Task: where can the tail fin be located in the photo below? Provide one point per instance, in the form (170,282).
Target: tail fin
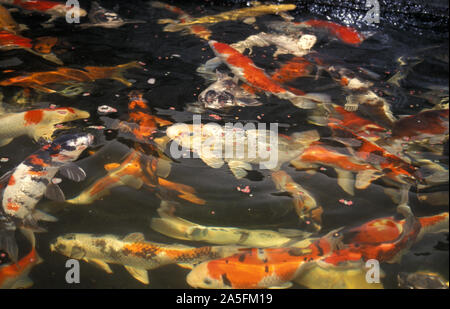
(171,226)
(118,74)
(8,240)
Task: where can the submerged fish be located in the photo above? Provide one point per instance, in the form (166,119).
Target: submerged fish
(24,186)
(239,14)
(133,252)
(244,68)
(240,148)
(421,280)
(179,228)
(39,124)
(38,80)
(136,170)
(304,204)
(262,268)
(55,9)
(10,41)
(15,275)
(8,23)
(197,30)
(101,17)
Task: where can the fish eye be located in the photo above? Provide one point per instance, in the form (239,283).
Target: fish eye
(337,234)
(207,281)
(210,96)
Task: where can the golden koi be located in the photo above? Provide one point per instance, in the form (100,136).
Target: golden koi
(133,252)
(38,80)
(37,124)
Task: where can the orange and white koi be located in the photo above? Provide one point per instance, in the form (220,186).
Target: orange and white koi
(25,186)
(15,275)
(38,80)
(262,268)
(248,72)
(133,252)
(198,30)
(345,34)
(38,123)
(10,41)
(135,171)
(304,204)
(55,9)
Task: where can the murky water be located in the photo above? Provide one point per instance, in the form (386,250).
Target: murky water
(172,59)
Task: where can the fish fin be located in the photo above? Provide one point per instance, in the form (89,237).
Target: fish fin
(365,178)
(171,226)
(29,235)
(213,162)
(42,216)
(303,102)
(5,178)
(77,253)
(132,181)
(346,180)
(286,285)
(23,283)
(73,172)
(43,132)
(8,244)
(101,264)
(163,168)
(293,233)
(5,141)
(306,137)
(186,265)
(55,193)
(318,97)
(134,237)
(163,21)
(239,168)
(300,165)
(138,274)
(118,74)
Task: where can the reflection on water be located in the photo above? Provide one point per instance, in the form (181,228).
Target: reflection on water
(129,170)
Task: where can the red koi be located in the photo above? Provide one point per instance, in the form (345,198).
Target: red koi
(346,34)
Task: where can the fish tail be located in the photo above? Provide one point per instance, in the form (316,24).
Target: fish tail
(118,74)
(8,239)
(171,226)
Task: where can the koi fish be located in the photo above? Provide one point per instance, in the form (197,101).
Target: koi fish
(249,73)
(294,68)
(211,142)
(39,124)
(226,92)
(304,204)
(239,14)
(197,30)
(262,268)
(8,23)
(386,239)
(421,280)
(38,80)
(345,165)
(15,275)
(10,41)
(392,166)
(44,44)
(284,44)
(133,252)
(182,229)
(430,125)
(24,186)
(101,17)
(55,9)
(345,34)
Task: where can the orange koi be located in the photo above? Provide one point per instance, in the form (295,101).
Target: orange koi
(345,34)
(262,268)
(38,80)
(15,276)
(248,72)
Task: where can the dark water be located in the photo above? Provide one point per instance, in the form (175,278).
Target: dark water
(127,210)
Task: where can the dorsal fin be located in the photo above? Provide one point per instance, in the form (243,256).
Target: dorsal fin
(134,237)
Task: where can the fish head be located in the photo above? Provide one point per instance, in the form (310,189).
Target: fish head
(200,277)
(306,42)
(70,245)
(220,94)
(69,147)
(100,15)
(64,114)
